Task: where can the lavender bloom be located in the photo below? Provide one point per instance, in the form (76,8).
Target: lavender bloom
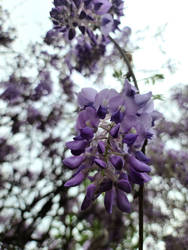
(87,118)
(111,149)
(79,16)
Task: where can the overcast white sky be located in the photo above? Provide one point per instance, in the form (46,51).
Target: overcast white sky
(31,18)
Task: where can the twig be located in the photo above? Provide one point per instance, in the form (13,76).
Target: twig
(123,54)
(141,215)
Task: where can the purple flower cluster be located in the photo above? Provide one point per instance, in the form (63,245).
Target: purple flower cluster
(85,17)
(111,130)
(88,54)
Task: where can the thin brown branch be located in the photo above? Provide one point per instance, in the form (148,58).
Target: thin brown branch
(125,58)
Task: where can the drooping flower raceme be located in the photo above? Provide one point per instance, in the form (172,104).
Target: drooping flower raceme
(85,16)
(111,129)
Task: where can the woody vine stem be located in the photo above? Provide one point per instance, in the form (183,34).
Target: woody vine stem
(141,189)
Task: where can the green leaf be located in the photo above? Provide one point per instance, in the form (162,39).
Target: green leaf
(118,74)
(158,97)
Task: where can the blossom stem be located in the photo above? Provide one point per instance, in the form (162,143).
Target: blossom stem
(123,54)
(141,223)
(141,207)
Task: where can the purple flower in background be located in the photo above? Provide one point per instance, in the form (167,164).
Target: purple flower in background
(11,94)
(5,149)
(87,54)
(44,87)
(80,17)
(111,129)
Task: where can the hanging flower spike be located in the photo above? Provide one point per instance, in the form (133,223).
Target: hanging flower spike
(75,17)
(109,139)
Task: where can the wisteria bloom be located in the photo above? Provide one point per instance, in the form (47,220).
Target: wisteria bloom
(111,129)
(85,17)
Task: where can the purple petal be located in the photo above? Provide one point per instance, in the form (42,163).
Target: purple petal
(123,176)
(82,29)
(87,133)
(115,130)
(142,157)
(103,97)
(101,7)
(101,112)
(148,135)
(101,147)
(100,163)
(122,201)
(108,200)
(124,185)
(87,117)
(138,177)
(129,139)
(139,165)
(117,161)
(77,145)
(106,28)
(71,34)
(73,161)
(76,180)
(141,100)
(129,89)
(115,102)
(89,196)
(82,15)
(117,116)
(77,3)
(86,97)
(105,185)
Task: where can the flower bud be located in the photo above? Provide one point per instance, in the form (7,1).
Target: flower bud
(89,196)
(73,161)
(76,180)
